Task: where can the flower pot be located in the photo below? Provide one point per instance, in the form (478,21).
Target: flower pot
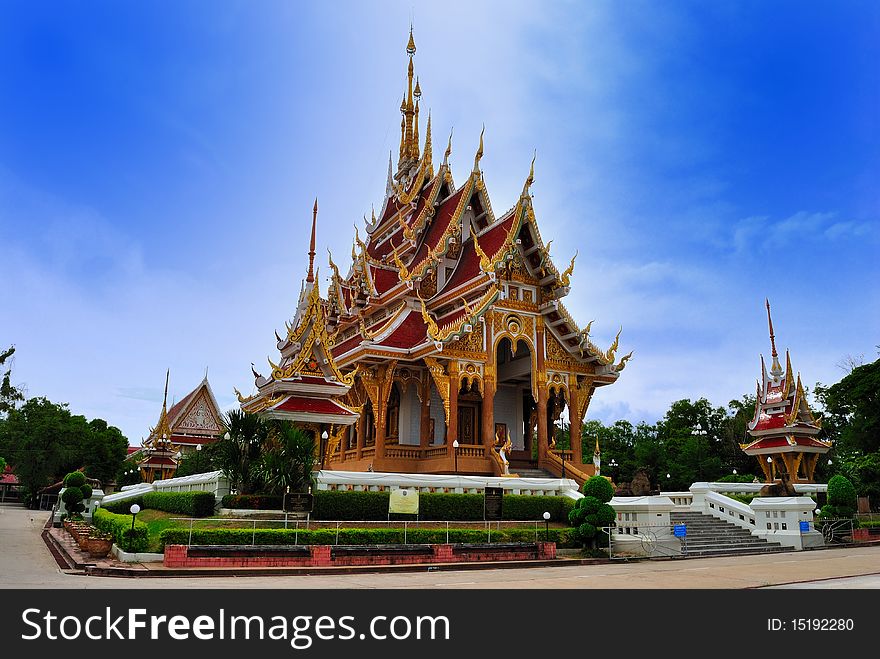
(99,547)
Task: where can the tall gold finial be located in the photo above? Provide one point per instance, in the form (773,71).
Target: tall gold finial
(479,153)
(566,276)
(417,92)
(311,276)
(429,148)
(448,150)
(411,45)
(165,397)
(414,145)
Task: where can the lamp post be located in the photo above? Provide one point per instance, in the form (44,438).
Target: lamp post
(324,437)
(546,525)
(455,454)
(135,509)
(770,462)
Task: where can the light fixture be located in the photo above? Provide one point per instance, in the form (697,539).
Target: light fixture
(226,436)
(198,447)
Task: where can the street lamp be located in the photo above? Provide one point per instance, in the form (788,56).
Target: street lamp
(455,454)
(546,525)
(198,447)
(226,436)
(135,509)
(324,437)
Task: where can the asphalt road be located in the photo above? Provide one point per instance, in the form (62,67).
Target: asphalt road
(27,563)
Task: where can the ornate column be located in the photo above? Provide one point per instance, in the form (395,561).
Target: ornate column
(452,419)
(425,438)
(489,387)
(360,439)
(378,385)
(541,380)
(575,422)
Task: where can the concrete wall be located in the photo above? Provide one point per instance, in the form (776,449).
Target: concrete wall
(409,417)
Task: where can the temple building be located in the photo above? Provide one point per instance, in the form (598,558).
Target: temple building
(191,423)
(784,432)
(445,346)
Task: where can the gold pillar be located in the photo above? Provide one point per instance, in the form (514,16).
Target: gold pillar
(425,438)
(488,409)
(541,379)
(452,421)
(361,438)
(575,422)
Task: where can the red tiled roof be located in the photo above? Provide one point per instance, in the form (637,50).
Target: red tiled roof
(777,442)
(132,449)
(410,333)
(468,266)
(384,279)
(8,478)
(316,405)
(177,408)
(441,221)
(493,239)
(775,421)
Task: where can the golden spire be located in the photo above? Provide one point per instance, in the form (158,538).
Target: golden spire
(311,276)
(411,45)
(403,273)
(414,145)
(479,153)
(429,148)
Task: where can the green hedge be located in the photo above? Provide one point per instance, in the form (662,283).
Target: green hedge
(119,526)
(337,505)
(123,507)
(174,536)
(191,504)
(253,501)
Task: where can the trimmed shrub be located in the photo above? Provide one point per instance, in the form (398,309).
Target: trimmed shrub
(191,504)
(842,498)
(119,526)
(352,505)
(123,507)
(253,501)
(593,512)
(75,479)
(177,536)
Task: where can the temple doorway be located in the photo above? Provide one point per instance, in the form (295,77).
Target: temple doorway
(514,406)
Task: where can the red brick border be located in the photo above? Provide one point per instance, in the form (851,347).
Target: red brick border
(177,556)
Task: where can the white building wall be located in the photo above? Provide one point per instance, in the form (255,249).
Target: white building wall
(438,416)
(508,409)
(410,415)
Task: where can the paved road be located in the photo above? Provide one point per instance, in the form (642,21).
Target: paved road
(28,564)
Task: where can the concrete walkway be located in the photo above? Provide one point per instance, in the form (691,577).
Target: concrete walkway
(28,564)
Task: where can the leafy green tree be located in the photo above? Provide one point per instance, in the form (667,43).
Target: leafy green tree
(197,462)
(76,490)
(288,459)
(239,455)
(128,473)
(852,409)
(43,441)
(10,395)
(2,465)
(841,498)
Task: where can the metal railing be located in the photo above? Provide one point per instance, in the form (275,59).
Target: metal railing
(835,531)
(634,540)
(193,524)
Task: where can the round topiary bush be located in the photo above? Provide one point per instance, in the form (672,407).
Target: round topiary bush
(592,512)
(73,500)
(75,479)
(842,498)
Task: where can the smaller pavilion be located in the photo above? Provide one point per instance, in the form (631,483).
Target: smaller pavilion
(784,431)
(306,386)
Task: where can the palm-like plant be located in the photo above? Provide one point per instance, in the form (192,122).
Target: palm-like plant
(239,456)
(288,458)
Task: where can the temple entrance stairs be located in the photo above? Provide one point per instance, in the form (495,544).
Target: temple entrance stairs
(528,470)
(710,536)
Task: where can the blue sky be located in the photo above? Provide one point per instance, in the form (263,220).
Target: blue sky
(158,163)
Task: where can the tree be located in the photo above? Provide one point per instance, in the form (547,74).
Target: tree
(128,473)
(197,462)
(841,498)
(238,456)
(2,465)
(76,490)
(43,441)
(288,459)
(852,409)
(10,395)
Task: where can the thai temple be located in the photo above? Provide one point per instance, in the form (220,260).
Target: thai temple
(191,423)
(445,346)
(784,432)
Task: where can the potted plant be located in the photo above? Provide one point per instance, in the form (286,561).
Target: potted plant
(99,544)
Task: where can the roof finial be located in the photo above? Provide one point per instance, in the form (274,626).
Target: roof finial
(165,397)
(389,184)
(775,366)
(429,148)
(479,153)
(448,150)
(411,45)
(311,276)
(531,178)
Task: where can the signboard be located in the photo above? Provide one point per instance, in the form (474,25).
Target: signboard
(680,530)
(805,527)
(298,502)
(493,500)
(404,501)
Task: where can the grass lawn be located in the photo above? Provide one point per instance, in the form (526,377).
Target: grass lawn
(156,521)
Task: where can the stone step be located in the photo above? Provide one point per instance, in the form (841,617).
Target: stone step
(710,536)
